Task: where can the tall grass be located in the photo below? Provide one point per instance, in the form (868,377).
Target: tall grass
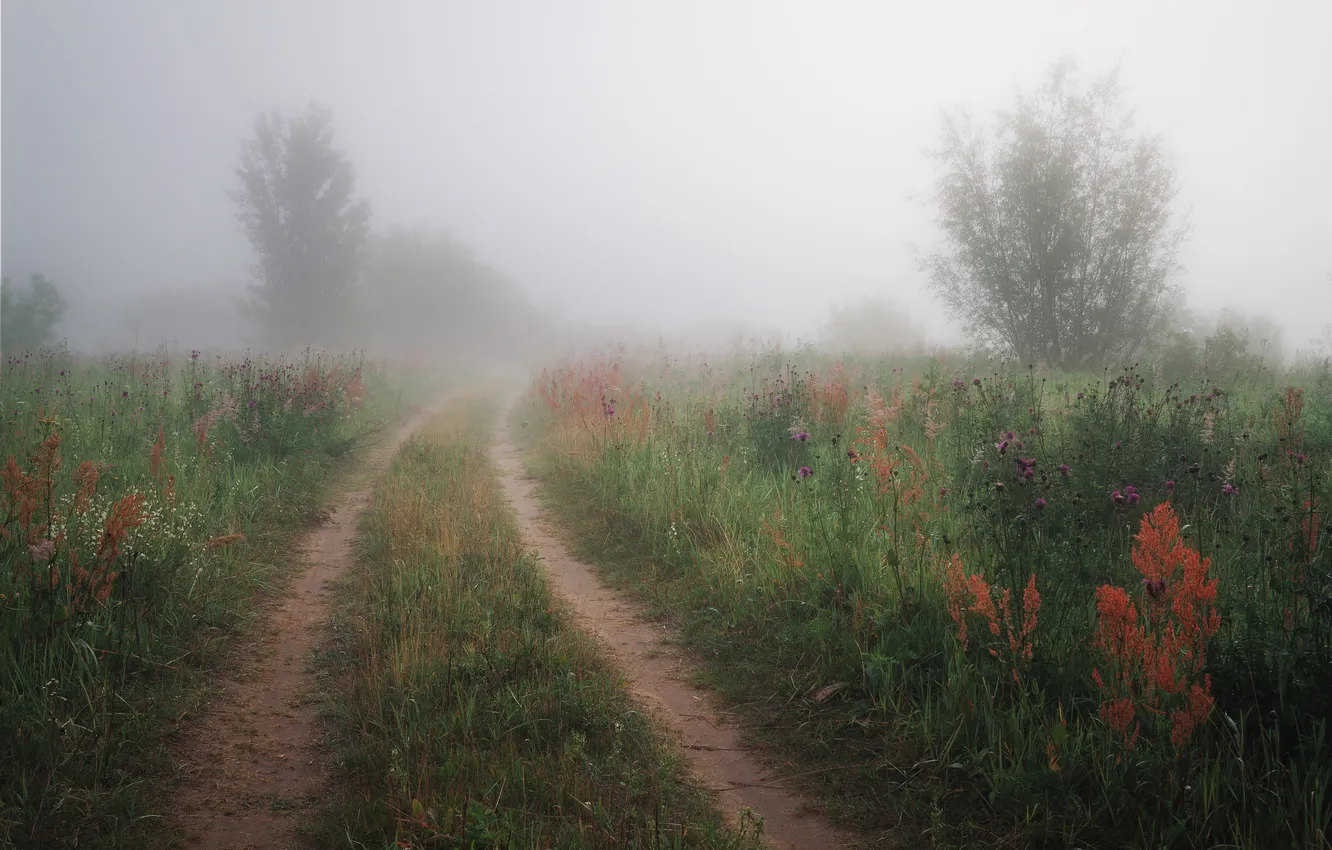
(470,713)
(144,506)
(993,607)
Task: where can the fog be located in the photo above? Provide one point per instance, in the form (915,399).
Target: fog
(662,165)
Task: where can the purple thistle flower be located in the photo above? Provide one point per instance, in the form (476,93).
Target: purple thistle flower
(1170,486)
(1040,504)
(1080,394)
(800,437)
(1229,489)
(1156,588)
(1117,497)
(959,384)
(610,411)
(1064,470)
(943,491)
(805,472)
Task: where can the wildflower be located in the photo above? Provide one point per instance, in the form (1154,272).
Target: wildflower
(800,437)
(1170,486)
(1156,587)
(1131,494)
(1040,504)
(943,491)
(252,403)
(805,472)
(1008,436)
(1117,497)
(976,381)
(1064,470)
(610,411)
(1080,394)
(41,551)
(999,486)
(1229,489)
(959,384)
(852,455)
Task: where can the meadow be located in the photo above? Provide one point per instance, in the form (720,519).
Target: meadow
(982,605)
(147,505)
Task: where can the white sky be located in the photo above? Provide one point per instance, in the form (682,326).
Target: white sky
(667,162)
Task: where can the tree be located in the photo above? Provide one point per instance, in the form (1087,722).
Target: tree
(297,208)
(1060,244)
(427,290)
(872,325)
(28,318)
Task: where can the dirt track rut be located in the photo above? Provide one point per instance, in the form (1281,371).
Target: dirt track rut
(659,675)
(253,767)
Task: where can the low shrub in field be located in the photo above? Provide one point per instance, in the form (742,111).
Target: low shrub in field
(1104,605)
(471,713)
(135,498)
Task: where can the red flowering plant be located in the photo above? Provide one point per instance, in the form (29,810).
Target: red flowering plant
(62,581)
(1152,643)
(1011,635)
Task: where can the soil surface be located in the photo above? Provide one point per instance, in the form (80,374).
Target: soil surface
(659,675)
(254,765)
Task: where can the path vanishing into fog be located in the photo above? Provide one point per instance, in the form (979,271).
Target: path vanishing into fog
(659,676)
(254,766)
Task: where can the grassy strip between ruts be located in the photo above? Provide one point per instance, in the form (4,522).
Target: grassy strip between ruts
(468,710)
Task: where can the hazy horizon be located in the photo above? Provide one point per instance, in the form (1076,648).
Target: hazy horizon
(665,166)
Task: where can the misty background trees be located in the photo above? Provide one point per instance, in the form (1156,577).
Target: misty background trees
(29,315)
(1060,243)
(325,278)
(298,208)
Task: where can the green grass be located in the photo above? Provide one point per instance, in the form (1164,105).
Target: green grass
(467,709)
(683,480)
(114,608)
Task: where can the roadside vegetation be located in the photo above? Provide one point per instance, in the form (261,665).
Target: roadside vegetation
(984,606)
(146,505)
(468,710)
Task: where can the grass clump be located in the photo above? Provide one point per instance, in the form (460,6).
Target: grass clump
(469,711)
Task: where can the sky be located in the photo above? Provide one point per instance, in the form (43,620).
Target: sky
(659,163)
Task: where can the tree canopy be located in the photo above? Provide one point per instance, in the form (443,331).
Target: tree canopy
(28,317)
(298,209)
(1060,243)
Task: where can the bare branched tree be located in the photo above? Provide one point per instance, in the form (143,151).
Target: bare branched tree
(1060,243)
(297,207)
